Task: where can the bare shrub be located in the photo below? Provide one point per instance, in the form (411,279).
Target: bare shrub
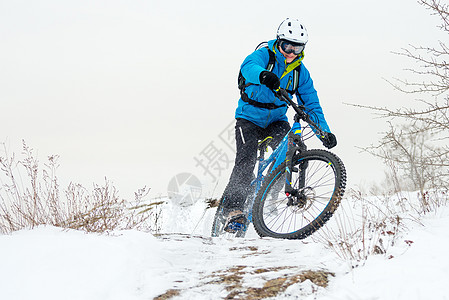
(415,146)
(366,225)
(370,224)
(35,200)
(413,164)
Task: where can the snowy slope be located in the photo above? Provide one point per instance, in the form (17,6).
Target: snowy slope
(418,271)
(50,263)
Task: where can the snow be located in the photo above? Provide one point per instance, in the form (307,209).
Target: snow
(52,263)
(418,271)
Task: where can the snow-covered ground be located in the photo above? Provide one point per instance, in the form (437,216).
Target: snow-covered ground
(51,263)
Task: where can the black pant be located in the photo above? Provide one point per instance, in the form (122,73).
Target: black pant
(247,136)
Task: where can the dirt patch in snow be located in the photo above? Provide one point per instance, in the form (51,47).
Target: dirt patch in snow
(271,287)
(274,281)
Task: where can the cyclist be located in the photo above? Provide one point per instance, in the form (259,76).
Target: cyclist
(260,114)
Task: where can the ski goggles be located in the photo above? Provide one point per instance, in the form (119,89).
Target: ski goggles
(290,47)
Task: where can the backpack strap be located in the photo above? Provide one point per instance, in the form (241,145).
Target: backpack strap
(271,58)
(241,80)
(295,81)
(294,68)
(247,99)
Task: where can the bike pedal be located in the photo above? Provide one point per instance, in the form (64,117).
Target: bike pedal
(235,224)
(234,227)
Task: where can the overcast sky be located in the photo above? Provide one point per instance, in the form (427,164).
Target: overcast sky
(135,91)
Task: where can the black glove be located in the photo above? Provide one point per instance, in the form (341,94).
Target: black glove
(329,140)
(269,79)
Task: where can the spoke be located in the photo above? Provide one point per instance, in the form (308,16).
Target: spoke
(320,182)
(279,203)
(327,173)
(276,218)
(282,223)
(324,201)
(291,220)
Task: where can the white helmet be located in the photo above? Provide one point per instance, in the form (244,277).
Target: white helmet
(292,30)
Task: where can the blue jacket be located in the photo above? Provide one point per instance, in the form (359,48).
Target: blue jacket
(251,68)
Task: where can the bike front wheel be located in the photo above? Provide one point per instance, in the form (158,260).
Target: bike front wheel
(318,180)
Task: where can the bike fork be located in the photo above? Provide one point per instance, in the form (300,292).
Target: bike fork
(294,145)
(291,149)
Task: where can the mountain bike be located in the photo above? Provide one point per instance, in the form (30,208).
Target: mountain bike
(295,190)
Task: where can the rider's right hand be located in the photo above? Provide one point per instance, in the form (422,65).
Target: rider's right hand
(269,79)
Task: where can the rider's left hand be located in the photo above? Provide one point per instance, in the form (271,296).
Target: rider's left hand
(329,140)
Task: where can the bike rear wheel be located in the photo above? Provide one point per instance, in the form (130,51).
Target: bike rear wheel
(318,179)
(219,221)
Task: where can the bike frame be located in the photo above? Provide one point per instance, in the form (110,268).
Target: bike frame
(290,145)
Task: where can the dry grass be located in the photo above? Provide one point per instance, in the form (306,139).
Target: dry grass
(370,225)
(168,294)
(35,199)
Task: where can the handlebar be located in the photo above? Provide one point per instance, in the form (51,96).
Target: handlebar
(283,95)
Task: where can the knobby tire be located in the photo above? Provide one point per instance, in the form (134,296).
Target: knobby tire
(319,177)
(219,221)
